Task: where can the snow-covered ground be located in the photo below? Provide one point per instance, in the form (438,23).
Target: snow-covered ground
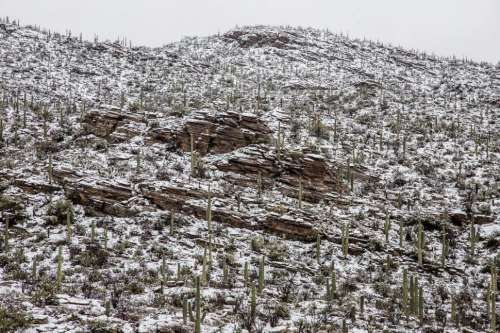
(417,134)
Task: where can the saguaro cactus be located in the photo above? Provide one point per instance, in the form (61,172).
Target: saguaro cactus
(172,218)
(421,305)
(245,274)
(34,269)
(411,309)
(445,245)
(185,309)
(318,248)
(301,190)
(279,143)
(415,295)
(454,317)
(50,169)
(253,302)
(106,238)
(194,156)
(209,209)
(401,234)
(92,232)
(261,275)
(225,273)
(197,324)
(420,244)
(204,269)
(1,130)
(473,237)
(344,326)
(387,227)
(405,291)
(59,272)
(493,297)
(345,239)
(68,227)
(163,269)
(333,284)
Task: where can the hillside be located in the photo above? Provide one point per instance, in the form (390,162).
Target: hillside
(306,181)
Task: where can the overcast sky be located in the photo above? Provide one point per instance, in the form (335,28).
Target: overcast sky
(465,28)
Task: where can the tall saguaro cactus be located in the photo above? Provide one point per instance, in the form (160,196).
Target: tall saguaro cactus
(68,227)
(420,244)
(445,245)
(333,286)
(405,291)
(345,239)
(387,227)
(209,209)
(421,305)
(59,272)
(493,297)
(50,169)
(259,186)
(261,275)
(253,302)
(194,156)
(318,248)
(197,324)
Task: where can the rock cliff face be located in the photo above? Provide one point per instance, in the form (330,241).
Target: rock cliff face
(113,125)
(211,132)
(359,180)
(288,170)
(221,133)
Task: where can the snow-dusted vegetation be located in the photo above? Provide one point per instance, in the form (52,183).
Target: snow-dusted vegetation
(268,179)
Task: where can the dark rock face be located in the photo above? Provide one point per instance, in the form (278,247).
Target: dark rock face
(97,196)
(222,133)
(318,176)
(112,124)
(187,201)
(248,39)
(212,132)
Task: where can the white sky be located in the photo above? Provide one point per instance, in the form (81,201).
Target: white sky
(465,28)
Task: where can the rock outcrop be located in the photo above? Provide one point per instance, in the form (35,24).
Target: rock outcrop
(212,132)
(222,132)
(248,39)
(318,176)
(113,124)
(97,196)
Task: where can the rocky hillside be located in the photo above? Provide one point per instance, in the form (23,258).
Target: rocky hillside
(269,179)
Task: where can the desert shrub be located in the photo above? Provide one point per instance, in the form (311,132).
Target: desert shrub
(257,243)
(135,287)
(12,208)
(45,293)
(58,212)
(277,251)
(93,256)
(13,320)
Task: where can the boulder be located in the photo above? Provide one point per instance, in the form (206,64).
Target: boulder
(112,124)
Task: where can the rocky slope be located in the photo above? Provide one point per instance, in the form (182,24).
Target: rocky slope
(314,183)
